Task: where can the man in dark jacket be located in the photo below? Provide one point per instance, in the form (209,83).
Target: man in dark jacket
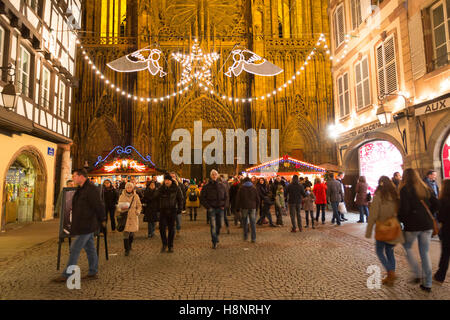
(214,197)
(110,197)
(183,194)
(334,197)
(430,180)
(233,197)
(88,214)
(227,203)
(247,200)
(295,193)
(170,205)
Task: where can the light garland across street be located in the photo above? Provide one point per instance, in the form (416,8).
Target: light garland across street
(203,75)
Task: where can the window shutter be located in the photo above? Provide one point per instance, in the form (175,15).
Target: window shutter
(359,87)
(366,81)
(417,46)
(341,96)
(347,95)
(391,66)
(380,67)
(339,25)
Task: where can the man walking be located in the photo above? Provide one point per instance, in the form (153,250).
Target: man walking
(214,197)
(295,193)
(88,213)
(247,200)
(183,194)
(334,196)
(170,204)
(430,180)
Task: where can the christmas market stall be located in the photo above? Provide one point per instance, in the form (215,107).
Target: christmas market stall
(124,163)
(287,167)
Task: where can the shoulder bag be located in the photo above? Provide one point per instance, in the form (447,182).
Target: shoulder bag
(387,230)
(435,224)
(122,218)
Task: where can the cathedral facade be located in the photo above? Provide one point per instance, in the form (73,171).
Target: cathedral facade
(282,31)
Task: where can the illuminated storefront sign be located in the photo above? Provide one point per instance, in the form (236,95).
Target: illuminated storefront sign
(433,106)
(379,158)
(124,165)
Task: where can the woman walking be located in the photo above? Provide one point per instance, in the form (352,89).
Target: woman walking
(320,191)
(129,202)
(384,207)
(151,209)
(416,199)
(193,199)
(444,218)
(361,199)
(308,206)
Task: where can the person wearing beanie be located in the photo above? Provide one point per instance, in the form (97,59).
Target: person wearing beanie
(193,199)
(170,201)
(129,202)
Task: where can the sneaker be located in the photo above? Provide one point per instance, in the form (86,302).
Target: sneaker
(214,245)
(415,280)
(425,288)
(437,279)
(170,250)
(90,277)
(163,249)
(253,241)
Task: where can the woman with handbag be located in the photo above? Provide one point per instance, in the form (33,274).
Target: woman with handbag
(388,232)
(361,199)
(416,204)
(129,208)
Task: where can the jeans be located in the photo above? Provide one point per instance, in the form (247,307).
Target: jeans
(249,214)
(151,228)
(265,212)
(443,261)
(385,253)
(336,215)
(167,221)
(225,218)
(86,242)
(320,207)
(424,238)
(110,212)
(294,211)
(215,218)
(195,213)
(178,221)
(237,215)
(307,215)
(363,211)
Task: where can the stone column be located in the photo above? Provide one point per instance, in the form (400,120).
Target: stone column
(66,165)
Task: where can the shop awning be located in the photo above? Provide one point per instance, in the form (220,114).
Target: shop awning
(285,166)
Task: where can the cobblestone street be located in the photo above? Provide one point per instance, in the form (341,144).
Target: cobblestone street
(326,263)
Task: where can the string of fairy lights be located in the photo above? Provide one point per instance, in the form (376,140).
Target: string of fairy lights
(203,75)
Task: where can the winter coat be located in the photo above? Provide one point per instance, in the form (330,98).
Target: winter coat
(279,199)
(320,191)
(334,191)
(170,199)
(189,203)
(88,210)
(264,194)
(227,190)
(412,213)
(214,195)
(295,193)
(132,224)
(382,210)
(233,194)
(308,201)
(151,204)
(444,217)
(110,197)
(247,197)
(361,194)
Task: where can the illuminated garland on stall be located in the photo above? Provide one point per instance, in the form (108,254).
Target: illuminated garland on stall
(286,159)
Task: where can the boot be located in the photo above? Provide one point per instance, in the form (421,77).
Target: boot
(126,245)
(190,215)
(195,217)
(131,240)
(390,278)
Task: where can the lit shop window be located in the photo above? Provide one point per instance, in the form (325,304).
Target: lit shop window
(446,158)
(379,158)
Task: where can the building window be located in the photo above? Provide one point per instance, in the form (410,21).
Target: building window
(343,95)
(440,17)
(61,99)
(362,84)
(356,13)
(33,4)
(114,18)
(339,25)
(2,45)
(24,71)
(45,88)
(387,67)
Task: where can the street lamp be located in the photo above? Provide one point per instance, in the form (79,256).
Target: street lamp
(384,115)
(9,94)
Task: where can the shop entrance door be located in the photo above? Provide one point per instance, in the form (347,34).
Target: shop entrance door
(20,189)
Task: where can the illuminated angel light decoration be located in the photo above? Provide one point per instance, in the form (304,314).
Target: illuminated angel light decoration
(252,63)
(138,61)
(196,65)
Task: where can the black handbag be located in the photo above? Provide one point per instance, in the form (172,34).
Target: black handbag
(122,218)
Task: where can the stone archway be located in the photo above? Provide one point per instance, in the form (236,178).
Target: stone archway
(300,135)
(40,188)
(213,115)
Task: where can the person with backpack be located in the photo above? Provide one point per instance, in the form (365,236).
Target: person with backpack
(384,210)
(362,200)
(193,199)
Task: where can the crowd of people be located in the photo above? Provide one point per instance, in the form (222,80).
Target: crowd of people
(414,202)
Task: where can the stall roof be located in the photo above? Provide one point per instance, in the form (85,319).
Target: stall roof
(294,166)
